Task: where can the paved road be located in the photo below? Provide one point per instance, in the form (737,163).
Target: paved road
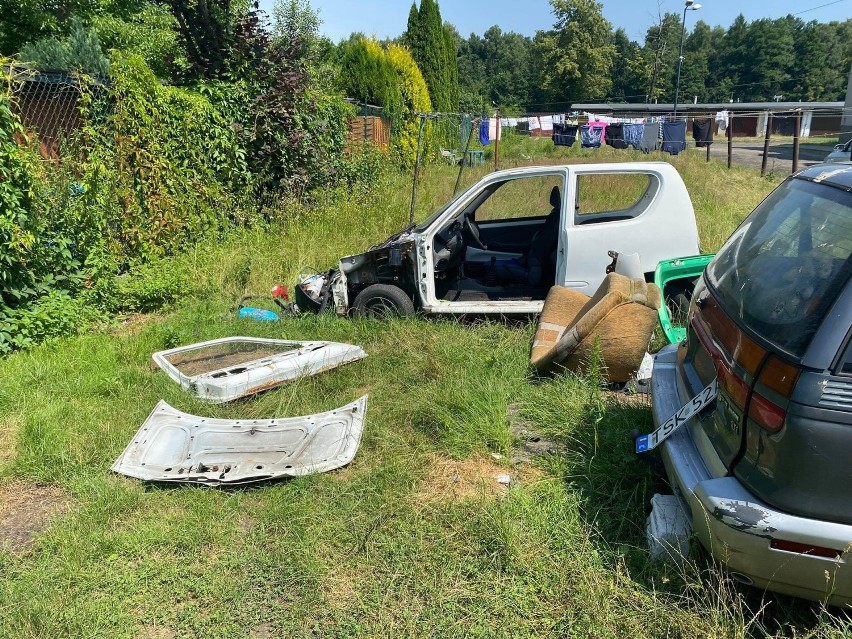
(780,155)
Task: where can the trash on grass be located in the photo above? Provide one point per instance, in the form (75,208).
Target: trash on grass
(172,446)
(646,368)
(222,370)
(280,297)
(667,529)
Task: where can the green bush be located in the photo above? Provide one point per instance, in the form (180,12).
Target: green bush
(80,51)
(157,169)
(54,314)
(162,170)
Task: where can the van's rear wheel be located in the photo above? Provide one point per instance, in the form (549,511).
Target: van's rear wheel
(382,301)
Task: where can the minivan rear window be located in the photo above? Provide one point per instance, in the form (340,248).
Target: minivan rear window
(782,269)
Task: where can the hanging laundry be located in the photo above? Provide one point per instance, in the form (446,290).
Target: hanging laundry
(591,135)
(674,137)
(513,122)
(702,132)
(504,122)
(599,124)
(722,120)
(484,139)
(534,123)
(546,123)
(633,135)
(650,137)
(615,136)
(493,129)
(564,134)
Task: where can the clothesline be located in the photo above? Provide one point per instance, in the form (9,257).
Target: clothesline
(669,136)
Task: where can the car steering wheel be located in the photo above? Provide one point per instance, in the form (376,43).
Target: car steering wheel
(471,230)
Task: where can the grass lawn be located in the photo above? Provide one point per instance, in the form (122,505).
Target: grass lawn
(415,538)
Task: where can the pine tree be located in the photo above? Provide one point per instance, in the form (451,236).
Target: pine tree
(433,47)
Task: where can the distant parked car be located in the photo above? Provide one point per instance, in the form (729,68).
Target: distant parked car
(765,470)
(840,153)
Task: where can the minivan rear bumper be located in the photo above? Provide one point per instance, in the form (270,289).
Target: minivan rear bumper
(734,525)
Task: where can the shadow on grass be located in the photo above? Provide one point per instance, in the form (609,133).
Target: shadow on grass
(616,487)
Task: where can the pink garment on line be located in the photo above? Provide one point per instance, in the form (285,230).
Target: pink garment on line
(602,125)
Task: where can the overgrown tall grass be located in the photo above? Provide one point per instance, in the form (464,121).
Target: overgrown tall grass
(381,548)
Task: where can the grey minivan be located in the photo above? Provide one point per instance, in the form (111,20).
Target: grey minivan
(765,470)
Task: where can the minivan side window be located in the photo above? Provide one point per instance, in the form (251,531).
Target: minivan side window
(610,197)
(524,197)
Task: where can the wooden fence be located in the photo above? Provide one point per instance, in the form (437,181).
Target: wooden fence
(367,129)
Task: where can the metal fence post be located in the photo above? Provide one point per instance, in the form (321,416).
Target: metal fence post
(796,135)
(730,138)
(766,144)
(416,169)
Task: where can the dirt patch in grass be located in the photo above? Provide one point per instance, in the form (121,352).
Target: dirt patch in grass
(26,511)
(340,586)
(263,631)
(133,324)
(150,631)
(479,476)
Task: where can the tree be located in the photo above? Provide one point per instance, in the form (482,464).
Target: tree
(152,33)
(367,75)
(207,28)
(627,81)
(296,21)
(26,21)
(79,51)
(697,52)
(576,55)
(433,47)
(770,59)
(659,67)
(414,99)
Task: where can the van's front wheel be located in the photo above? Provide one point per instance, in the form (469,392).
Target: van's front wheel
(382,301)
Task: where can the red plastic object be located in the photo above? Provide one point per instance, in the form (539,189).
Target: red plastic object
(280,292)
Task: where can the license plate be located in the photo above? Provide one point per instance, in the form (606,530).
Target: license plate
(693,406)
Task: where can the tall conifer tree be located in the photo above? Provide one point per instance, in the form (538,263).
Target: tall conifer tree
(433,48)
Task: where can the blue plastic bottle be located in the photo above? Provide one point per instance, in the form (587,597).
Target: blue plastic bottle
(259,314)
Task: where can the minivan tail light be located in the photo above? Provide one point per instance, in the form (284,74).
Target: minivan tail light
(779,377)
(735,387)
(765,414)
(804,549)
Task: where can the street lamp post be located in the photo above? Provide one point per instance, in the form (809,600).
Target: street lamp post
(690,5)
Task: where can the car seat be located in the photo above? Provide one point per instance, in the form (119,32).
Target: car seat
(621,313)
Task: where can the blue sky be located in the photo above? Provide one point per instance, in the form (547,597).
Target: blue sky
(387,18)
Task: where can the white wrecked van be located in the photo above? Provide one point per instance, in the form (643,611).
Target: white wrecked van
(499,246)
